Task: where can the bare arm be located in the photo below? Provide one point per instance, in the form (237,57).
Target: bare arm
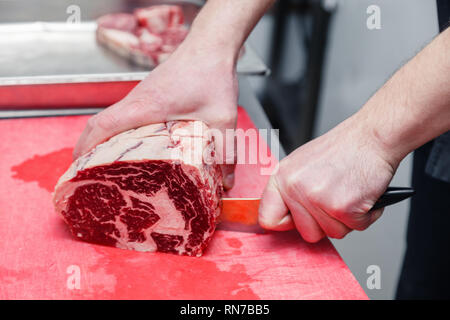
(413,107)
(223,26)
(327,186)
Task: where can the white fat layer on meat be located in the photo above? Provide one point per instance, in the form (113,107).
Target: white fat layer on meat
(142,37)
(125,44)
(156,142)
(148,246)
(171,221)
(150,38)
(121,38)
(157,19)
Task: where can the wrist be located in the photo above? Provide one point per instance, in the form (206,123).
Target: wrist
(211,45)
(381,141)
(196,51)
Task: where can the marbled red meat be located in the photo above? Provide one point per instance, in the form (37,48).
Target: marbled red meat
(158,19)
(156,188)
(146,37)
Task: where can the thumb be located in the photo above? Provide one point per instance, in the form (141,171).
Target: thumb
(226,152)
(228,175)
(273,212)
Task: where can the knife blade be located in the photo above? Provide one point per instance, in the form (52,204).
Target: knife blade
(241,214)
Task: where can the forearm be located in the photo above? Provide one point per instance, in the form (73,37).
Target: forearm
(413,107)
(222,26)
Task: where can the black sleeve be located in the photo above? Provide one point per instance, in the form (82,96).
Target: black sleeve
(443,7)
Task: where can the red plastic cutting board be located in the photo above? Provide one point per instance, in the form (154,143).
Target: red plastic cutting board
(39,259)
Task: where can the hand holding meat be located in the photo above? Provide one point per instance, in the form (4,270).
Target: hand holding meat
(197,82)
(136,182)
(178,89)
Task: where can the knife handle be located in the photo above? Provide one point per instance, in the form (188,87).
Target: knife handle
(393,195)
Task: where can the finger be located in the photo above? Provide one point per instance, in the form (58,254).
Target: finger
(230,158)
(273,212)
(332,227)
(305,223)
(226,149)
(225,156)
(79,145)
(359,221)
(375,215)
(228,175)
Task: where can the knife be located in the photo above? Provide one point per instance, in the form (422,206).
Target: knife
(241,214)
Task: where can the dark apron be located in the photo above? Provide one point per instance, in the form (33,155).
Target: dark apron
(427,259)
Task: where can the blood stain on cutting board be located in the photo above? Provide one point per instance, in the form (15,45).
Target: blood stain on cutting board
(10,276)
(234,242)
(44,169)
(170,276)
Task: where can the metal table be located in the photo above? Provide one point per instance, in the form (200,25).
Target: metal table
(247,99)
(46,10)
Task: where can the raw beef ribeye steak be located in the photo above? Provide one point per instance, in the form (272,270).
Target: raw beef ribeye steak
(148,189)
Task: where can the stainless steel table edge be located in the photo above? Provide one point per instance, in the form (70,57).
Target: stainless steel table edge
(247,100)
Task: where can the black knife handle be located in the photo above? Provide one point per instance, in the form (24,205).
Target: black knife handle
(393,195)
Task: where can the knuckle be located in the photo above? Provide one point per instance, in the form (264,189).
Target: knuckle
(293,185)
(264,221)
(338,213)
(339,210)
(227,117)
(315,195)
